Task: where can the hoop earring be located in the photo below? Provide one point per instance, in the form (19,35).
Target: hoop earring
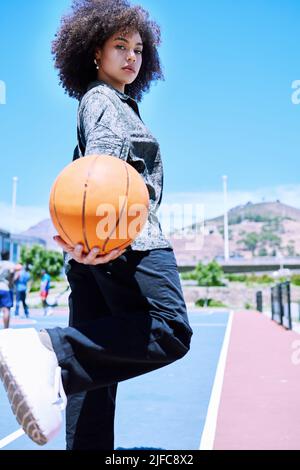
(96,63)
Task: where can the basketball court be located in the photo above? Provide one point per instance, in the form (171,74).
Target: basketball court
(236,389)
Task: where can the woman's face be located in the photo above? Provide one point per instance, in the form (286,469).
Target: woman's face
(118,52)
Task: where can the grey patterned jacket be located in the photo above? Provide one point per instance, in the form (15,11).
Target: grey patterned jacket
(109,123)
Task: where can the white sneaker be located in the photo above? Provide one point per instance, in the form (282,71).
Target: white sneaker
(49,312)
(32,379)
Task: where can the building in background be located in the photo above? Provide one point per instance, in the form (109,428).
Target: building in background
(14,242)
(4,240)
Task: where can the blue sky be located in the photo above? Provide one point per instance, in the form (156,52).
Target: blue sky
(224,108)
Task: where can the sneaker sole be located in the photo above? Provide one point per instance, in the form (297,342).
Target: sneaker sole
(19,405)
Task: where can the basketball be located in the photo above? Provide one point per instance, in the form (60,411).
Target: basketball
(99,201)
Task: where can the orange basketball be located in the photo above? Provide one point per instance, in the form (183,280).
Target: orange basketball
(99,201)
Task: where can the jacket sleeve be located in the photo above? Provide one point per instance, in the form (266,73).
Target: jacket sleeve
(101,127)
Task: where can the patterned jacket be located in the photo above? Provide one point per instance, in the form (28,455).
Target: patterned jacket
(109,122)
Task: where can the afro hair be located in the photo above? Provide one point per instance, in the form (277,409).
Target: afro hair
(86,28)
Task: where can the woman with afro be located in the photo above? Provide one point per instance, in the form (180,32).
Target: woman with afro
(127,312)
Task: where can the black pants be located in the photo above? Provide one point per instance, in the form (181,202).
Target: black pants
(127,317)
(21,297)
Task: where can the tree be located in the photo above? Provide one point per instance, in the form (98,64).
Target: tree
(262,251)
(273,240)
(291,248)
(251,241)
(38,259)
(208,275)
(274,225)
(221,231)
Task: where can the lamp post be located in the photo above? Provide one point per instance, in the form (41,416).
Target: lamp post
(226,235)
(14,202)
(13,215)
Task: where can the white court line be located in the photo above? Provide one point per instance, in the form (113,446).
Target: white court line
(11,437)
(207,325)
(209,431)
(15,435)
(206,313)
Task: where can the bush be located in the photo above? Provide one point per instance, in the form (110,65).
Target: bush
(216,303)
(295,279)
(236,277)
(263,252)
(202,302)
(263,279)
(209,303)
(250,279)
(209,275)
(188,276)
(248,306)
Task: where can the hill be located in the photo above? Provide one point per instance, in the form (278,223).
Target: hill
(263,211)
(263,229)
(44,230)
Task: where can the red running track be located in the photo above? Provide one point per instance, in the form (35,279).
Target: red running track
(260,401)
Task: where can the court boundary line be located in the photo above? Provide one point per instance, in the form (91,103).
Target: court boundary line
(11,437)
(210,425)
(207,438)
(208,325)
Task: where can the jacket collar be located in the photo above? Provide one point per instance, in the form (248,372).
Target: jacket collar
(130,101)
(95,83)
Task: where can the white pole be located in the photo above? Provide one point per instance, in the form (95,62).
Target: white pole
(14,203)
(226,235)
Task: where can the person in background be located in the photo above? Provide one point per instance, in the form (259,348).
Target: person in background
(7,278)
(21,282)
(44,290)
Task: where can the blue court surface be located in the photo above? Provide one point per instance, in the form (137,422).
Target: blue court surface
(164,409)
